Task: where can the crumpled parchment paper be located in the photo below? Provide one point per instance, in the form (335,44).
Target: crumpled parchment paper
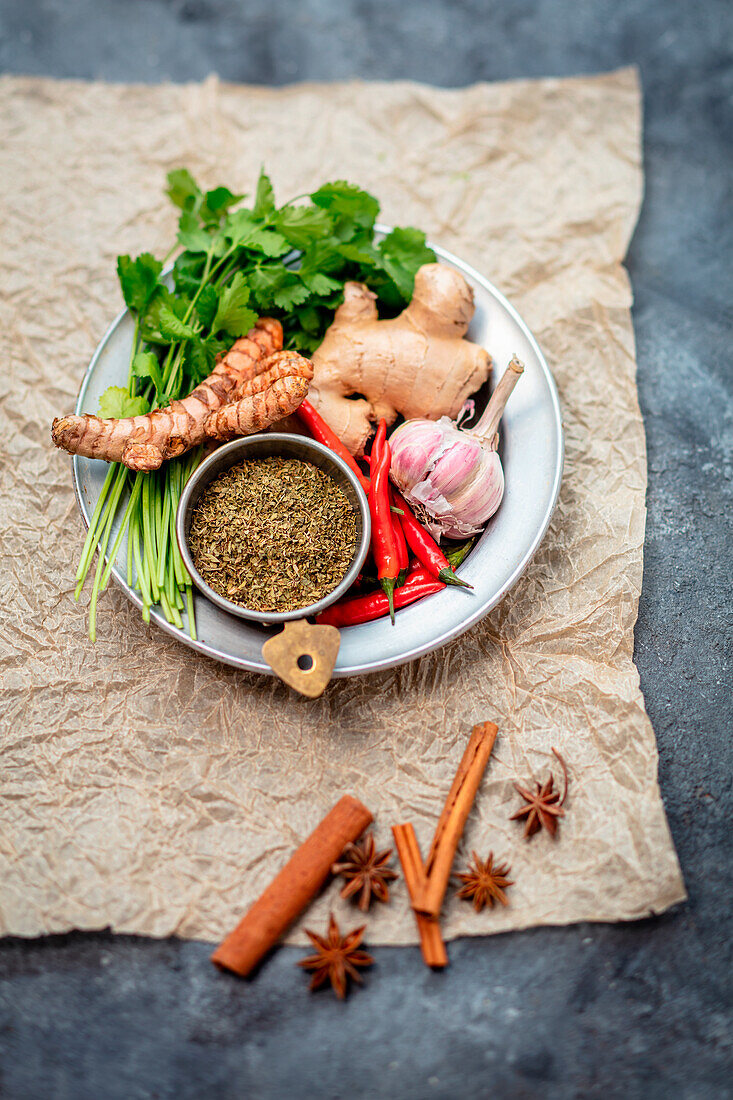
(149,789)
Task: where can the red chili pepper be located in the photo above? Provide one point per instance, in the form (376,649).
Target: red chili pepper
(403,554)
(320,431)
(364,609)
(392,507)
(424,546)
(384,543)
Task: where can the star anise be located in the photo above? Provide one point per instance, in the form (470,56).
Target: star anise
(365,871)
(337,957)
(544,805)
(485,882)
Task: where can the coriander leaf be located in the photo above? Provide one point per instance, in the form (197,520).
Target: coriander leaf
(323,256)
(403,251)
(304,342)
(116,402)
(390,268)
(361,253)
(265,197)
(138,279)
(196,363)
(244,230)
(291,293)
(145,365)
(188,271)
(398,287)
(206,305)
(347,202)
(233,315)
(180,305)
(240,225)
(389,294)
(215,347)
(171,327)
(269,243)
(183,190)
(216,203)
(318,283)
(301,225)
(407,246)
(310,319)
(264,281)
(199,359)
(191,235)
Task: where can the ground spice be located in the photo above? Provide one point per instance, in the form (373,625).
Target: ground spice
(273,534)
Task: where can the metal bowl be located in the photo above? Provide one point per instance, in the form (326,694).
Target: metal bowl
(282,446)
(532,454)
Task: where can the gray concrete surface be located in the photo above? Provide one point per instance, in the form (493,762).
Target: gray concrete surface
(590,1011)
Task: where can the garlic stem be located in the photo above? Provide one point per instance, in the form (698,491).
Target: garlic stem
(489,422)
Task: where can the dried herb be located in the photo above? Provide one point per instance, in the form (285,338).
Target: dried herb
(544,805)
(273,534)
(484,883)
(337,958)
(366,872)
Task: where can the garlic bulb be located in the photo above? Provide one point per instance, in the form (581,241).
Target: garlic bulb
(453,476)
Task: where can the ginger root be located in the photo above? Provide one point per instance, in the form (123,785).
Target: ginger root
(251,378)
(417,364)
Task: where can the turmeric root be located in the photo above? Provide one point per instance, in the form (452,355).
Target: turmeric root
(272,395)
(145,442)
(417,364)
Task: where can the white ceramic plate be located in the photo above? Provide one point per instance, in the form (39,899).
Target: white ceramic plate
(532,454)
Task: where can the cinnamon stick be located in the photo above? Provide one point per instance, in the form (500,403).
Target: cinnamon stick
(288,894)
(408,850)
(453,819)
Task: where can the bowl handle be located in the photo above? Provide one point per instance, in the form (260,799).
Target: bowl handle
(303,656)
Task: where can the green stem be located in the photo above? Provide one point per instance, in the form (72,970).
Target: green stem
(157,502)
(142,579)
(118,477)
(133,353)
(171,613)
(170,588)
(148,535)
(132,502)
(173,359)
(90,543)
(100,516)
(223,276)
(182,577)
(164,532)
(455,557)
(130,531)
(190,612)
(117,492)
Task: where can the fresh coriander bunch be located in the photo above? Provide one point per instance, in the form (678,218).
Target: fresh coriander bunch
(234,263)
(292,261)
